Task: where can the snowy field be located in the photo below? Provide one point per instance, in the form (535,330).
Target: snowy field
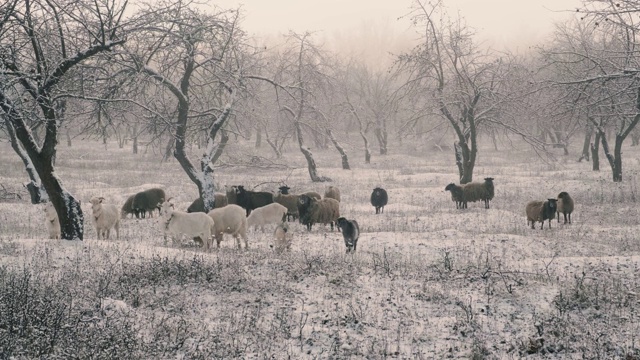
(428,281)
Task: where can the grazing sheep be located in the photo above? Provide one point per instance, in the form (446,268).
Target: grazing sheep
(250,200)
(105,217)
(289,200)
(147,201)
(457,195)
(479,192)
(312,210)
(273,213)
(198,205)
(541,211)
(231,220)
(332,192)
(379,199)
(127,208)
(565,206)
(350,233)
(197,226)
(282,238)
(51,220)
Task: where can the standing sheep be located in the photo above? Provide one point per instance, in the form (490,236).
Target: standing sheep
(332,192)
(457,195)
(148,201)
(197,226)
(540,211)
(250,200)
(350,233)
(51,220)
(479,192)
(231,220)
(324,211)
(105,217)
(379,199)
(198,205)
(565,206)
(290,201)
(273,213)
(282,238)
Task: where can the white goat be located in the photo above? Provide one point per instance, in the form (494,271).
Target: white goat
(193,225)
(51,220)
(230,219)
(273,213)
(105,217)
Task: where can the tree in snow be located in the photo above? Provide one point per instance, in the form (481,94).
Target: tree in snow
(198,59)
(43,45)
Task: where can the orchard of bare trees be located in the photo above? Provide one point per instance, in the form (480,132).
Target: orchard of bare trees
(172,74)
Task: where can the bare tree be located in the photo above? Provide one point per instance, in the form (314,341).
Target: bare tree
(465,82)
(43,43)
(198,58)
(600,60)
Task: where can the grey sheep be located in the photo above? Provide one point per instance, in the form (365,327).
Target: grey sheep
(290,201)
(350,233)
(198,205)
(483,191)
(332,192)
(540,211)
(457,195)
(147,201)
(565,206)
(379,199)
(323,211)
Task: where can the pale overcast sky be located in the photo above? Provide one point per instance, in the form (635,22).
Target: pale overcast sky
(502,22)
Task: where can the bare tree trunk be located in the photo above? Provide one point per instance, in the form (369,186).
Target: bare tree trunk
(381,135)
(68,137)
(224,139)
(343,154)
(587,139)
(36,189)
(367,152)
(311,163)
(610,158)
(595,150)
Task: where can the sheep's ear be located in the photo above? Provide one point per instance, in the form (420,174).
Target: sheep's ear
(101,199)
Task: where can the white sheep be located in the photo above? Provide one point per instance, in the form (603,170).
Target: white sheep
(195,225)
(105,217)
(230,219)
(273,213)
(51,220)
(282,238)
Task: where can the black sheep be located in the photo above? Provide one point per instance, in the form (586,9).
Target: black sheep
(379,199)
(250,200)
(541,211)
(147,201)
(350,233)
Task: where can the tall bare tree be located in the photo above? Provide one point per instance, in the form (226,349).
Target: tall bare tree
(43,44)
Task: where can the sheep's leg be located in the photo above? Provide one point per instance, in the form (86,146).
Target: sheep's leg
(565,217)
(569,215)
(117,227)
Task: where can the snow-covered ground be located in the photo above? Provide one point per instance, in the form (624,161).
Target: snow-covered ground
(428,280)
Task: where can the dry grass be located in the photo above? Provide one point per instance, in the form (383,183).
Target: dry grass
(428,281)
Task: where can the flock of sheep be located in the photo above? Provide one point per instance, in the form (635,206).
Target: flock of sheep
(233,213)
(536,210)
(240,209)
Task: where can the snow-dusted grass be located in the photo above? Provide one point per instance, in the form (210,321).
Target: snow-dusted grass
(428,280)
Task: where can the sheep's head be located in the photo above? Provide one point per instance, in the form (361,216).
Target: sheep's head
(488,179)
(341,222)
(304,201)
(553,205)
(450,187)
(167,207)
(284,190)
(563,195)
(96,203)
